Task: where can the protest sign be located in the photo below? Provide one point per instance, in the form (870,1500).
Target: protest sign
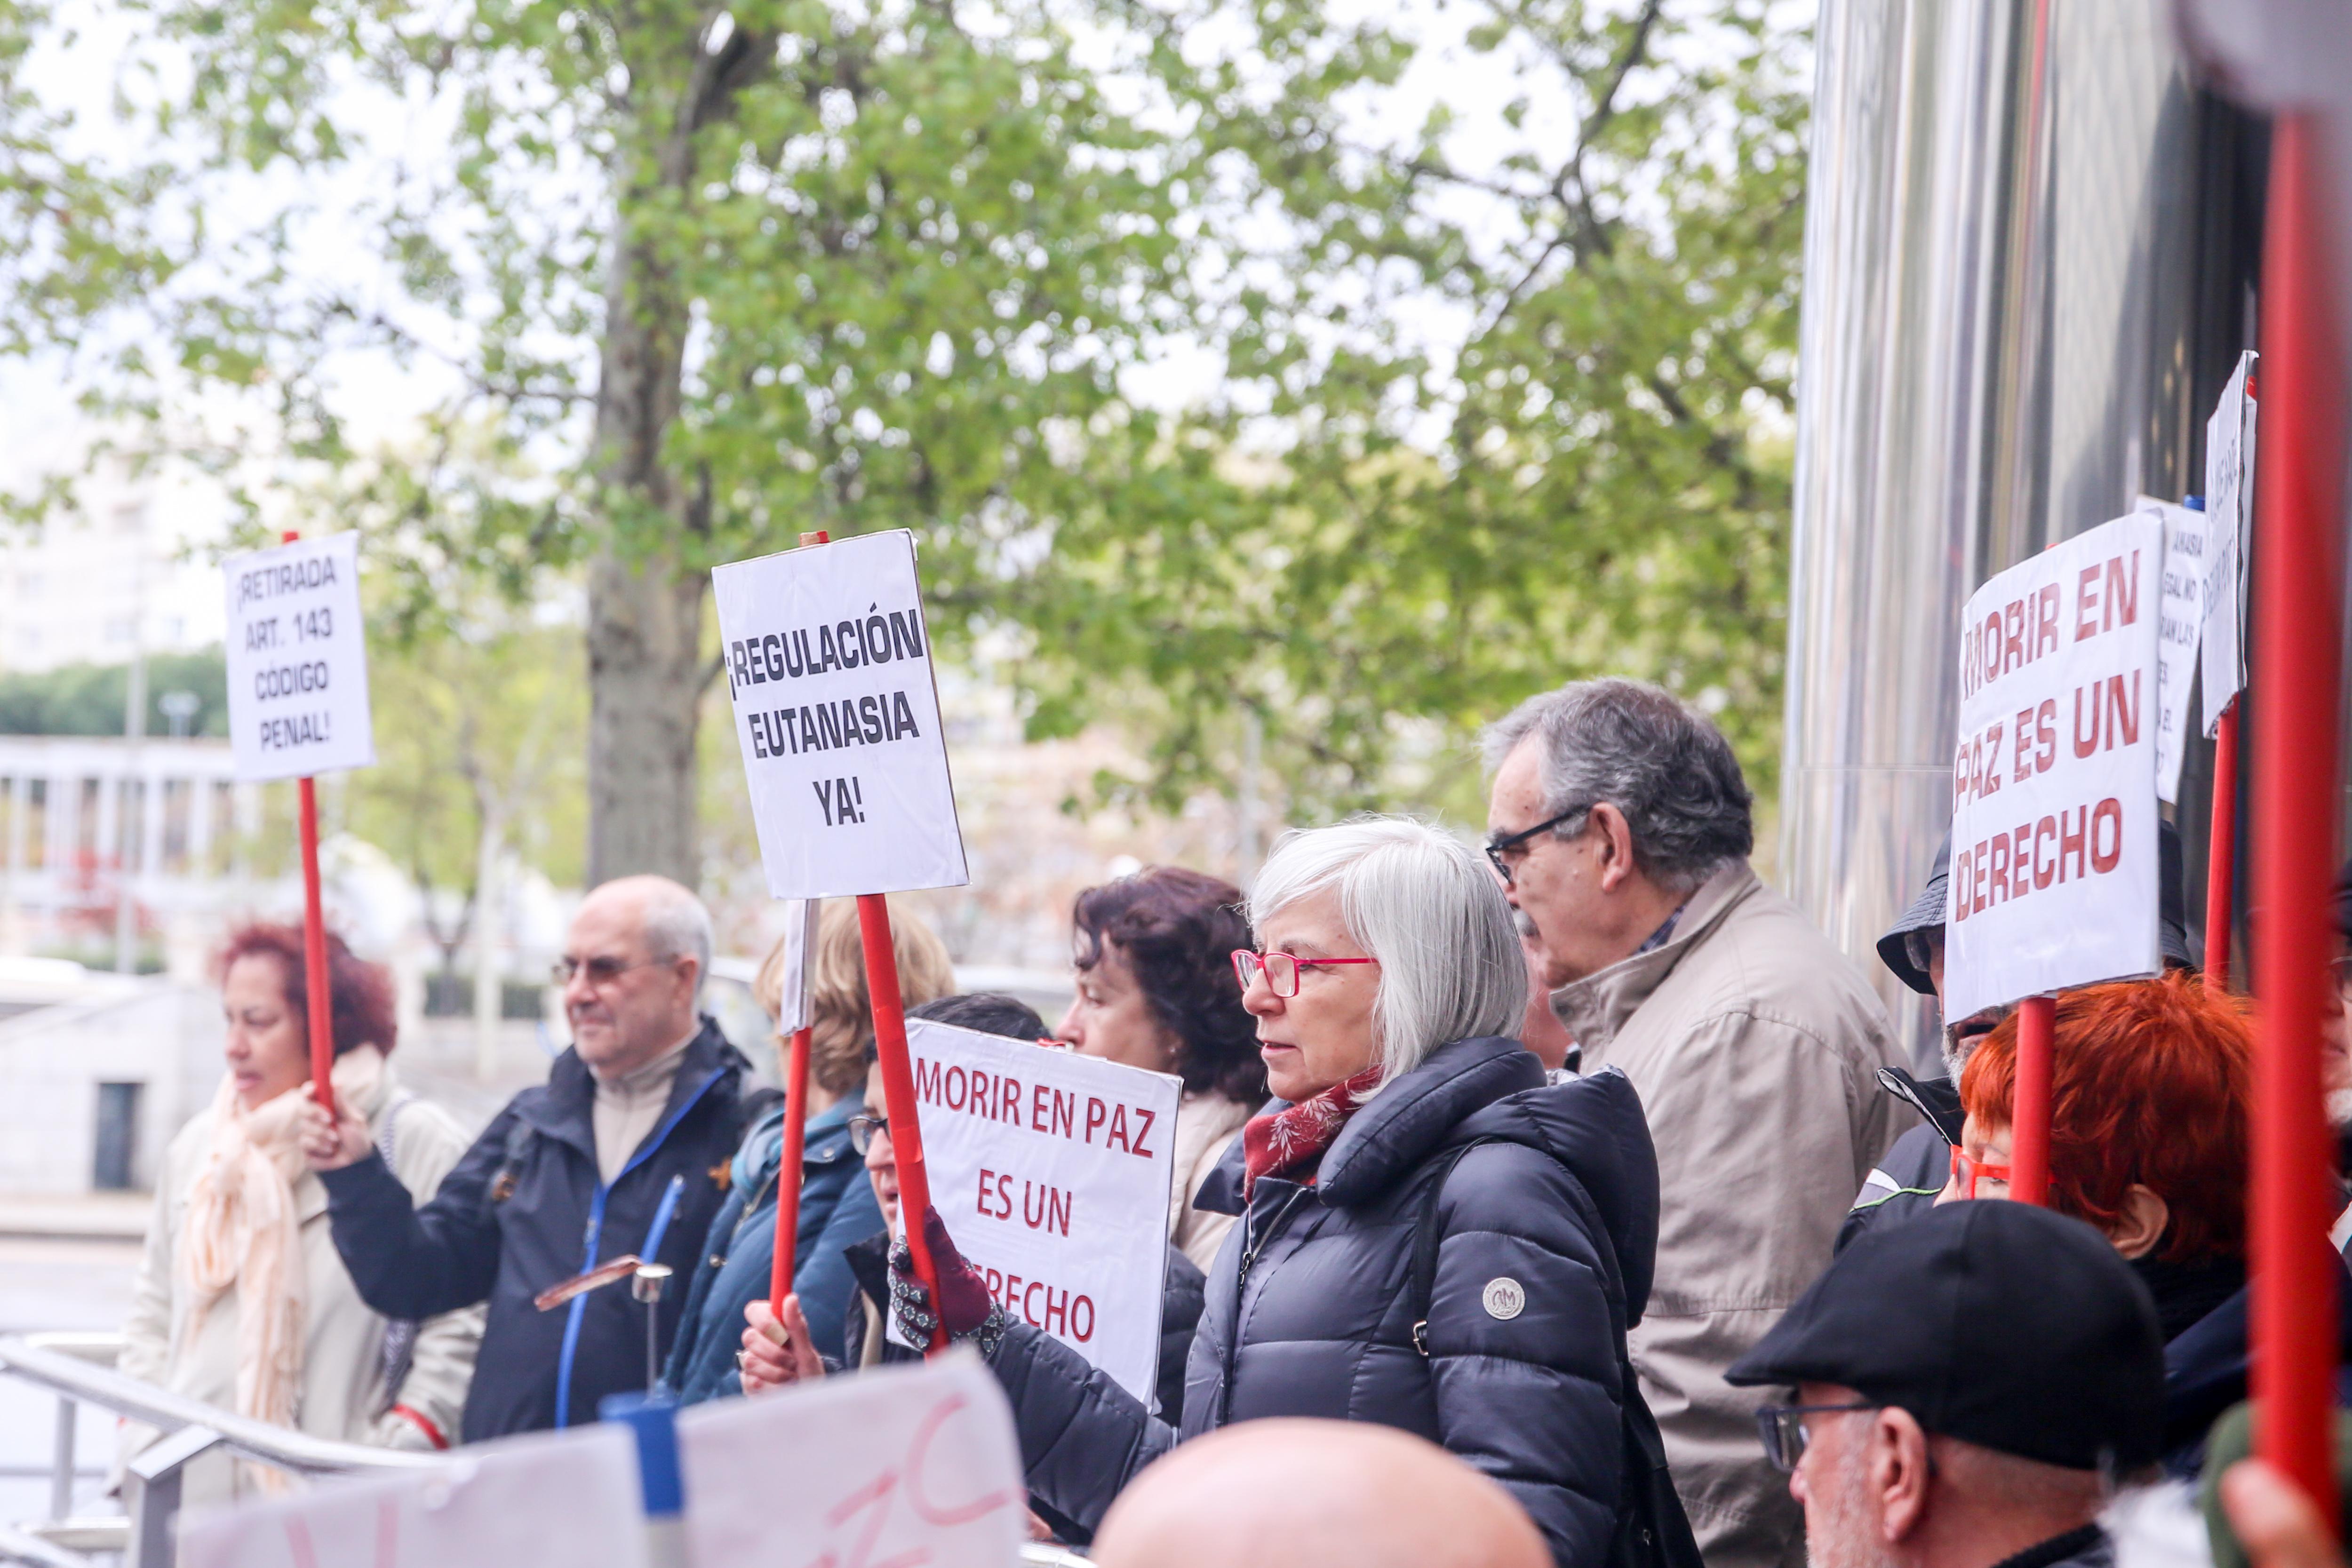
(2053,782)
(1053,1172)
(2229,520)
(561,1497)
(296,659)
(2183,619)
(914,1465)
(829,666)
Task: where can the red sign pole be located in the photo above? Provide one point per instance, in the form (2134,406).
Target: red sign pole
(788,1174)
(2028,1121)
(898,1089)
(2299,502)
(321,1022)
(2221,859)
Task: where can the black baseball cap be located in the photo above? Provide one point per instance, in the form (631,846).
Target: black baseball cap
(1996,1323)
(1927,911)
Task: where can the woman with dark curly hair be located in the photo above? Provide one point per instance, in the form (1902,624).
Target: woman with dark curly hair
(1156,990)
(242,1299)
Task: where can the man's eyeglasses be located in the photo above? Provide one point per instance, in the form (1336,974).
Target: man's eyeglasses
(1280,970)
(1504,850)
(1783,1427)
(1969,1173)
(1924,948)
(863,1130)
(601,970)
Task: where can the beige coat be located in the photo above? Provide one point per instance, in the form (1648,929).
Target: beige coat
(1206,1125)
(1755,1047)
(342,1392)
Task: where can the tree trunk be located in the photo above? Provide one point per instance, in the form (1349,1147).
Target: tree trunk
(645,614)
(645,683)
(489,929)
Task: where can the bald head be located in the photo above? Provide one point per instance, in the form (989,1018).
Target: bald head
(1334,1494)
(638,950)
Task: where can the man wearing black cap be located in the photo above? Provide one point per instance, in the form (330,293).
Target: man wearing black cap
(1907,1179)
(1979,1428)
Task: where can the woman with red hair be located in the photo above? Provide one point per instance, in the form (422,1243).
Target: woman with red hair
(241,1300)
(2150,1089)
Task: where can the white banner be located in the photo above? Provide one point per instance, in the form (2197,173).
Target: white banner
(2183,620)
(916,1465)
(2053,782)
(830,668)
(557,1497)
(1053,1172)
(297,658)
(2228,523)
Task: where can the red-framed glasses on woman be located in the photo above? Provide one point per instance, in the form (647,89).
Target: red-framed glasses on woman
(1280,970)
(1969,1173)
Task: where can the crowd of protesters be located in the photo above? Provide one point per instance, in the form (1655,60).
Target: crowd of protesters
(1567,1201)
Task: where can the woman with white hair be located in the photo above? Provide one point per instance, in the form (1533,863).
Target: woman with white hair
(1429,1237)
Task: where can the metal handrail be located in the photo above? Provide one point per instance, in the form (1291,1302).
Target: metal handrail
(61,1362)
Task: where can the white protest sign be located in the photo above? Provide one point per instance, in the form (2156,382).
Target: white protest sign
(2053,782)
(2183,618)
(560,1497)
(793,985)
(2229,512)
(830,669)
(1053,1172)
(912,1465)
(297,658)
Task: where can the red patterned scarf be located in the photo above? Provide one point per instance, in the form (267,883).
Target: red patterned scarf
(1280,1143)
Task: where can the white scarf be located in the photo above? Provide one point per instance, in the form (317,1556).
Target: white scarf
(241,1232)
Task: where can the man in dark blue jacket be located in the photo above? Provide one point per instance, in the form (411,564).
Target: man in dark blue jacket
(568,1175)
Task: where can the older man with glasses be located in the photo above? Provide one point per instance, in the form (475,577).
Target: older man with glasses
(1984,1423)
(1619,823)
(573,1173)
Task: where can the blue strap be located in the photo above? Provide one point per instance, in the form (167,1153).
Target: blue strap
(595,1232)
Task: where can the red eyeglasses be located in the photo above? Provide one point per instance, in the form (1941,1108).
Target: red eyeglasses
(1280,970)
(1968,1172)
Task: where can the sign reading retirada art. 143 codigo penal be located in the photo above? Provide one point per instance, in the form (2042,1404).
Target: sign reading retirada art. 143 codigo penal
(830,669)
(2054,778)
(297,658)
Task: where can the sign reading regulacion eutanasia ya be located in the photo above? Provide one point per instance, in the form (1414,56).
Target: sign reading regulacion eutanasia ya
(829,667)
(297,660)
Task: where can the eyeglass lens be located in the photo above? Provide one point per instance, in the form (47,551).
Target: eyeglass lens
(862,1130)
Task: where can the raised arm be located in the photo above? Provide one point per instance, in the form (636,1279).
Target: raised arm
(411,1262)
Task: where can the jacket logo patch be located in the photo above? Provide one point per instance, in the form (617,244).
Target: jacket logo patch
(1505,1298)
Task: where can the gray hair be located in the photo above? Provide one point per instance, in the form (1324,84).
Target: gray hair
(1652,757)
(673,921)
(1428,907)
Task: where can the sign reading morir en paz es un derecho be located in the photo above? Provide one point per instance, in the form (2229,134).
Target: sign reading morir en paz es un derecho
(2054,877)
(835,710)
(1053,1173)
(297,660)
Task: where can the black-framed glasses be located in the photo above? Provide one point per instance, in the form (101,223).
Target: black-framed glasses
(1783,1427)
(601,970)
(1504,848)
(861,1131)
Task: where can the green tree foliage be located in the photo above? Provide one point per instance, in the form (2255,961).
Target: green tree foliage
(1481,424)
(87,699)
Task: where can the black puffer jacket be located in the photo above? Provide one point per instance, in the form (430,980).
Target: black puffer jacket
(1521,1376)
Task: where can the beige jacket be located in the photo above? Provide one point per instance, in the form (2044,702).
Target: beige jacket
(1755,1047)
(1206,1125)
(343,1394)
